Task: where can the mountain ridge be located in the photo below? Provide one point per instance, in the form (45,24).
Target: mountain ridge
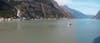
(39,9)
(76,13)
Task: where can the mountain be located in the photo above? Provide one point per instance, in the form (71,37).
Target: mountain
(4,5)
(75,13)
(66,12)
(38,8)
(98,15)
(6,10)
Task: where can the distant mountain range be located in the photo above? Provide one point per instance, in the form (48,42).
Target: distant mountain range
(76,14)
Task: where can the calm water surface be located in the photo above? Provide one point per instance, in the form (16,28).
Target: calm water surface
(87,30)
(50,31)
(38,31)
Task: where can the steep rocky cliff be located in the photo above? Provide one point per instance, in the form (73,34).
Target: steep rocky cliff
(38,8)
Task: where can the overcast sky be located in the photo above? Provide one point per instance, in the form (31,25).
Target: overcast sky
(89,7)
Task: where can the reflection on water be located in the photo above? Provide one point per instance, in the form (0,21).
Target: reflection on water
(38,31)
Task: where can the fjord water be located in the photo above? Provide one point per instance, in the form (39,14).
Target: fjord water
(50,31)
(38,31)
(87,30)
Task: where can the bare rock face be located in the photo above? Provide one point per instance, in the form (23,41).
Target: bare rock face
(38,8)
